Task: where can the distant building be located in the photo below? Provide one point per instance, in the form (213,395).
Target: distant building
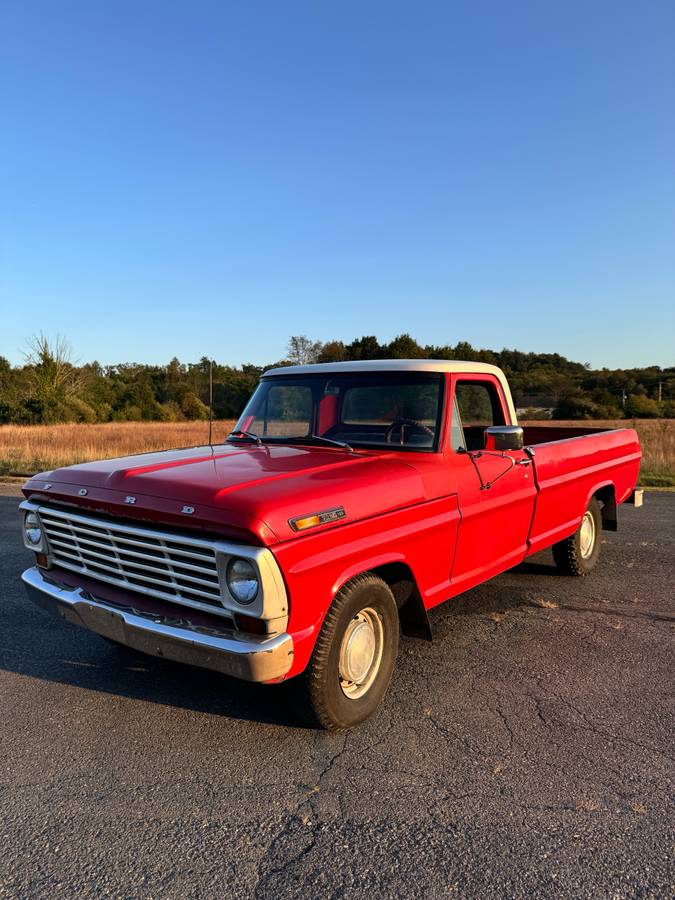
(535,406)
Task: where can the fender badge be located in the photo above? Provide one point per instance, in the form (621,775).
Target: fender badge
(45,487)
(299,523)
(188,510)
(129,499)
(82,492)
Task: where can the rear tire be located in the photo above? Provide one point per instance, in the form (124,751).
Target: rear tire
(579,553)
(354,656)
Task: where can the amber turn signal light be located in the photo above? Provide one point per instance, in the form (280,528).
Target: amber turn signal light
(319,518)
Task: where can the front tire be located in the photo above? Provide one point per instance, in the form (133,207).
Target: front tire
(355,653)
(579,553)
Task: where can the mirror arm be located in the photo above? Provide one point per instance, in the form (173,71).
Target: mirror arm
(476,454)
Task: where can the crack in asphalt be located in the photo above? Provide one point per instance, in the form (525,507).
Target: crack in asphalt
(523,745)
(295,818)
(591,726)
(621,613)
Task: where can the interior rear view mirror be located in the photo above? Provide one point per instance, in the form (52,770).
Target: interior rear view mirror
(504,437)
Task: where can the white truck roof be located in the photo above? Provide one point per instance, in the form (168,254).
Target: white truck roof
(401,365)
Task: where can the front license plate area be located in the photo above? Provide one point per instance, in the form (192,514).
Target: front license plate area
(104,622)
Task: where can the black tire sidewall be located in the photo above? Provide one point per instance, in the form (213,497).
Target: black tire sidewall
(331,703)
(588,563)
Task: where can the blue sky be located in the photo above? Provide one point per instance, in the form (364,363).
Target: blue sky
(207,178)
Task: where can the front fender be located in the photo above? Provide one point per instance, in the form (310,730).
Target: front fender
(315,567)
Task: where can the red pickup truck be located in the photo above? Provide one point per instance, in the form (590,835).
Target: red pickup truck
(349,500)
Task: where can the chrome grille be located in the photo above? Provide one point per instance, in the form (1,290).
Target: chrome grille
(170,567)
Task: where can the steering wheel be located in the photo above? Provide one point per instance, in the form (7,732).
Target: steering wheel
(402,424)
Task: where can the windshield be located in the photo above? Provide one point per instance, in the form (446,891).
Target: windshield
(399,411)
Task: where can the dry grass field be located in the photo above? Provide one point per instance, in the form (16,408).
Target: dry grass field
(25,449)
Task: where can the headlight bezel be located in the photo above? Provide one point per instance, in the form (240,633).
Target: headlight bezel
(271,600)
(231,576)
(32,523)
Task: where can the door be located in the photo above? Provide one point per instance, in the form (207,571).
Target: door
(496,490)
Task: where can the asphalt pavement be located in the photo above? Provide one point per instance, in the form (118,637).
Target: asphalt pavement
(527,750)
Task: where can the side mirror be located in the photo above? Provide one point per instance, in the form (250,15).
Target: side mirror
(504,437)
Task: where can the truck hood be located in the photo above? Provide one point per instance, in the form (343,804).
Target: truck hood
(239,491)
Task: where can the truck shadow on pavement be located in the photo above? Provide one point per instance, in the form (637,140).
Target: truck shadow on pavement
(82,660)
(37,646)
(538,568)
(515,589)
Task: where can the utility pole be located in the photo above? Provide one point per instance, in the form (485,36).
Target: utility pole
(660,387)
(210,399)
(623,397)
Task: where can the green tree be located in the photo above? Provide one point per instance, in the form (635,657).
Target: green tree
(404,347)
(641,407)
(333,351)
(575,406)
(193,408)
(366,347)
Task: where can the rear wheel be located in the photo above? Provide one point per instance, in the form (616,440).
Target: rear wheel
(579,553)
(355,653)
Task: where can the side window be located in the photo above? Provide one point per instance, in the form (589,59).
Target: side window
(479,406)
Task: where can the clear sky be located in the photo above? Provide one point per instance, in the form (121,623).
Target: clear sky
(206,178)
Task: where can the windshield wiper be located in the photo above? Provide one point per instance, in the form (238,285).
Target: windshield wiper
(251,435)
(332,442)
(279,439)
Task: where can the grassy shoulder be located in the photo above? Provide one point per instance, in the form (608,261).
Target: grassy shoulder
(656,479)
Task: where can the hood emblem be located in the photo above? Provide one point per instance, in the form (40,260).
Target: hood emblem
(82,492)
(129,499)
(188,510)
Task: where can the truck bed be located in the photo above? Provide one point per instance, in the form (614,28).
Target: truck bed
(544,434)
(570,465)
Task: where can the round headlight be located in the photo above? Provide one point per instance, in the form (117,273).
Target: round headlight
(242,580)
(32,529)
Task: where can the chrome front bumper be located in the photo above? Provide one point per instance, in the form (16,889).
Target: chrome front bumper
(250,658)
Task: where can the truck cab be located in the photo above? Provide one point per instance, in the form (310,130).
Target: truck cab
(349,499)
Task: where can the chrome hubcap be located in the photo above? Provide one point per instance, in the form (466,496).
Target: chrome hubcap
(587,535)
(361,653)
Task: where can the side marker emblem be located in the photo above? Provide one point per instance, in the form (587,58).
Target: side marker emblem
(188,510)
(129,499)
(299,523)
(82,492)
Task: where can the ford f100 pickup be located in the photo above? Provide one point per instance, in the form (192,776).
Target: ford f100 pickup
(349,500)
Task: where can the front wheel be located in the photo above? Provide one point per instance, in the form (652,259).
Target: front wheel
(579,553)
(355,653)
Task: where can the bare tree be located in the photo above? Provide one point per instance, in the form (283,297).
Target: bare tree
(302,350)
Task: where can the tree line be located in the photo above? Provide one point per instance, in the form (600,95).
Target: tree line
(50,387)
